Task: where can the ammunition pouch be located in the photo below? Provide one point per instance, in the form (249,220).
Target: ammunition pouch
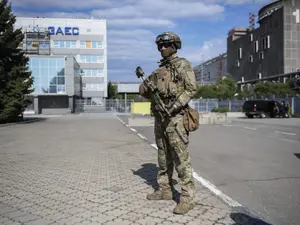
(191,119)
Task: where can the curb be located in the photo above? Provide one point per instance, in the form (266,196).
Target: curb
(236,207)
(21,122)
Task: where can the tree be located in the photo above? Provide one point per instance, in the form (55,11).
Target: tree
(111,91)
(15,78)
(206,91)
(268,89)
(245,93)
(226,87)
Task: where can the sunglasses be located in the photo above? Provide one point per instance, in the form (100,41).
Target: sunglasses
(164,44)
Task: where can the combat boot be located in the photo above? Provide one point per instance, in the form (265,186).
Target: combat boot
(184,206)
(161,194)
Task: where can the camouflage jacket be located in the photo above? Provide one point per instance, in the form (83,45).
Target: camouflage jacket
(175,80)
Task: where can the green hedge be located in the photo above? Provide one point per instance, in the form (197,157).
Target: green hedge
(220,110)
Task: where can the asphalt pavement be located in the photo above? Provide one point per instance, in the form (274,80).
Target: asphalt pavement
(255,162)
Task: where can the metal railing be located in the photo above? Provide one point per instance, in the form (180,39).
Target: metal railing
(103,106)
(202,105)
(207,105)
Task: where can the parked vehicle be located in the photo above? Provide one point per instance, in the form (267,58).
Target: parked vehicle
(261,108)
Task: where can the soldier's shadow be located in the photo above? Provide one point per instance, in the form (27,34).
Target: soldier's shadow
(148,172)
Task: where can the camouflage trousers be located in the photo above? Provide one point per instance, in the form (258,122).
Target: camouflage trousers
(173,152)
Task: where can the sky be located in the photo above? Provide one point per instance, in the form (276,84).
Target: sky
(132,26)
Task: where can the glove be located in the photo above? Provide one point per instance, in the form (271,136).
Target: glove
(173,107)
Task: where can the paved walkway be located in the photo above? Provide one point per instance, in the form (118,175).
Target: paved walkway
(89,170)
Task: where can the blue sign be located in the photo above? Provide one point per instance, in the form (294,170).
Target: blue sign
(63,31)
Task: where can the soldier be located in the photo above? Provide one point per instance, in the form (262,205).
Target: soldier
(176,84)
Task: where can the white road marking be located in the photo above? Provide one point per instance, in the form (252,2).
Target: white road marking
(280,132)
(154,146)
(216,191)
(250,128)
(141,136)
(284,139)
(204,182)
(134,130)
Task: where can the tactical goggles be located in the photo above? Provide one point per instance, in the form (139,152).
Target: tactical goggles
(164,38)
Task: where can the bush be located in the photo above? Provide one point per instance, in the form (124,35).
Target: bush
(296,115)
(220,110)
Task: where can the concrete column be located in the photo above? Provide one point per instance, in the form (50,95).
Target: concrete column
(125,96)
(36,104)
(71,104)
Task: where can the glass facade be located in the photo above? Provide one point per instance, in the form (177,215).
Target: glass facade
(91,44)
(77,44)
(92,72)
(49,75)
(91,58)
(64,44)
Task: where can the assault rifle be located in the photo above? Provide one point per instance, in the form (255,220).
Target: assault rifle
(159,104)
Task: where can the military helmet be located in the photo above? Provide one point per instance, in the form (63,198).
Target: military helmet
(169,37)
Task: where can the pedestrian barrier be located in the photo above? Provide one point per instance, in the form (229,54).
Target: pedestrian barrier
(140,108)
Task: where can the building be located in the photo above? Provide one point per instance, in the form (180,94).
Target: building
(271,49)
(209,71)
(68,58)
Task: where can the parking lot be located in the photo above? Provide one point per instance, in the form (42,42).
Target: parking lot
(256,162)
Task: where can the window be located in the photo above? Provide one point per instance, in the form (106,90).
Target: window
(91,44)
(93,87)
(251,37)
(92,72)
(261,55)
(49,75)
(99,44)
(259,76)
(297,15)
(91,58)
(64,44)
(88,44)
(237,62)
(240,52)
(268,41)
(256,46)
(61,44)
(251,58)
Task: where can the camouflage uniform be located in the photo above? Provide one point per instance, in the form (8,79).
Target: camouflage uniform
(175,80)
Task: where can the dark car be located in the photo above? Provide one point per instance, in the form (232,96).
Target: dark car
(261,108)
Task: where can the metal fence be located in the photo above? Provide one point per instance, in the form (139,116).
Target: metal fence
(207,105)
(103,106)
(202,105)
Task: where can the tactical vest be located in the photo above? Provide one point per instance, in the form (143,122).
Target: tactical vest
(168,79)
